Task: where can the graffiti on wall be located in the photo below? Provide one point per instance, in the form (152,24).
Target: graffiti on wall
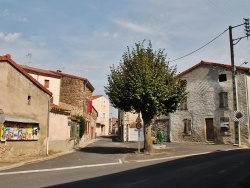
(18,131)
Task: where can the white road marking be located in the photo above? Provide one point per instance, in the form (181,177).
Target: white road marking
(58,169)
(165,158)
(138,182)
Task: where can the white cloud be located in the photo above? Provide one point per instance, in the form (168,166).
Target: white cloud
(134,26)
(10,37)
(6,13)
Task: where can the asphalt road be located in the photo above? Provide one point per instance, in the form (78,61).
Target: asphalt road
(115,164)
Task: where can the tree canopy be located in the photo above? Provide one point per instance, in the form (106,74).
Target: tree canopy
(145,83)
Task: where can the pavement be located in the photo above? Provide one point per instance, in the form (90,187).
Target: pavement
(128,151)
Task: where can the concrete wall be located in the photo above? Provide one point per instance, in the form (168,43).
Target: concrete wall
(59,139)
(14,92)
(134,135)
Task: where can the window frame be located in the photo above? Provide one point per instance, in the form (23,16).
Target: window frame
(187,127)
(46,83)
(223,99)
(222,77)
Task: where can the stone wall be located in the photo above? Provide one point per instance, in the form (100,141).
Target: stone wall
(71,94)
(203,103)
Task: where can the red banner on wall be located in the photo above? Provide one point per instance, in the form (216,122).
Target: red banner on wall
(89,107)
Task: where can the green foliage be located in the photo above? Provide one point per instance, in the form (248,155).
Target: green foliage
(82,125)
(144,82)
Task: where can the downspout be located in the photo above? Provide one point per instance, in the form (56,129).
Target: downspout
(47,139)
(247,96)
(85,96)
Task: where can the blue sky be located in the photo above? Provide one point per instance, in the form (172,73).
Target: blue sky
(86,37)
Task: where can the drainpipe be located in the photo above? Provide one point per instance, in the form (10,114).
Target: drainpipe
(47,138)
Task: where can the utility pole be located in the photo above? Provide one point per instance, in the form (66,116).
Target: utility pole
(235,98)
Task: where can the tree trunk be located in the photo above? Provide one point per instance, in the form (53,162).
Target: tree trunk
(148,142)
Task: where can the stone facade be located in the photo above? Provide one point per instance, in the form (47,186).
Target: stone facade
(75,93)
(204,115)
(71,95)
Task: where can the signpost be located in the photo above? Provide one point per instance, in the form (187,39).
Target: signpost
(138,128)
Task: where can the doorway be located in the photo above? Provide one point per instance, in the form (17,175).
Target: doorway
(210,129)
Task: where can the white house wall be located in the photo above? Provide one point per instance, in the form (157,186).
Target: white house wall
(101,104)
(54,85)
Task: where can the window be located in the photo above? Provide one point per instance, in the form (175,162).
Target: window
(183,105)
(222,77)
(187,126)
(46,83)
(103,115)
(223,100)
(224,123)
(29,99)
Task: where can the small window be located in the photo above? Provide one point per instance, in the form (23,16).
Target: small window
(224,123)
(46,83)
(103,115)
(223,100)
(222,77)
(187,126)
(29,99)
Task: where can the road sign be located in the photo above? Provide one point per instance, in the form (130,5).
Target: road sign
(238,115)
(138,125)
(138,119)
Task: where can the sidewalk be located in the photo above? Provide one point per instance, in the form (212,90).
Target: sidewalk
(167,150)
(19,161)
(175,150)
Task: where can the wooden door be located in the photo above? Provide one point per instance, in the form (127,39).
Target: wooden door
(92,132)
(210,129)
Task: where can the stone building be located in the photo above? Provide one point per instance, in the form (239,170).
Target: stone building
(75,94)
(208,113)
(25,103)
(70,93)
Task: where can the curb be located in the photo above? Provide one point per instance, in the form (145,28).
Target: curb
(46,157)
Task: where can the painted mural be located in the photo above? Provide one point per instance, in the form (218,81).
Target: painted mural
(18,131)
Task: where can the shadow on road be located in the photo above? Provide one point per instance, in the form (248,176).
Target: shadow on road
(194,171)
(108,150)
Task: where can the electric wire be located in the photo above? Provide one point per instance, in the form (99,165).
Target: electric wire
(198,48)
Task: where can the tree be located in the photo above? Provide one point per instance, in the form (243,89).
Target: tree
(144,83)
(82,125)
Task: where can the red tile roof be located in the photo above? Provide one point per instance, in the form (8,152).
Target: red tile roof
(40,71)
(75,77)
(56,74)
(23,72)
(59,108)
(212,64)
(96,96)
